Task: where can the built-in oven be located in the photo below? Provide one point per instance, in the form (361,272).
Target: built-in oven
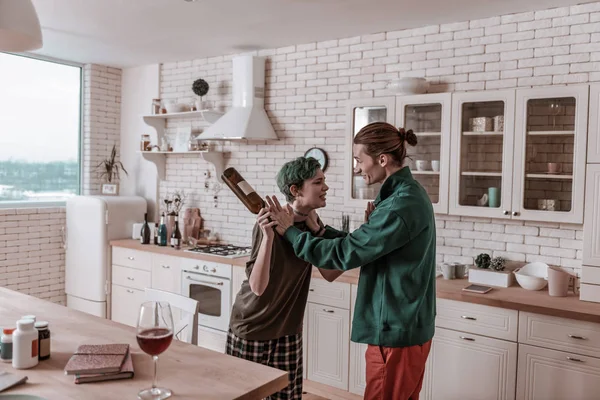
(210,285)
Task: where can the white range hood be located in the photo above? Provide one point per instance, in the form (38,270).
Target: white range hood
(247,119)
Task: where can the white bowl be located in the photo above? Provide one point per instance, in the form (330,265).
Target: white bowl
(174,107)
(409,85)
(532,276)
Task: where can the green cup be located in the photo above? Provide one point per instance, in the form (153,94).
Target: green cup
(494,197)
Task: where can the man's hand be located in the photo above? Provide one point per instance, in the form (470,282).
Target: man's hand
(283,216)
(312,222)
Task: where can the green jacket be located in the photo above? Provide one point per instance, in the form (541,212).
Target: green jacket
(395,305)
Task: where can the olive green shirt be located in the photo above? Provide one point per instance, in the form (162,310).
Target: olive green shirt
(279,311)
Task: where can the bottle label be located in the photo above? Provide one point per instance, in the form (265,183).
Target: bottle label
(34,348)
(245,187)
(174,242)
(44,347)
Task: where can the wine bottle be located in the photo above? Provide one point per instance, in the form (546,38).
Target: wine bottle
(176,235)
(162,231)
(155,233)
(145,233)
(243,190)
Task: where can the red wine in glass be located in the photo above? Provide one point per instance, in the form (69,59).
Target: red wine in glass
(154,336)
(155,340)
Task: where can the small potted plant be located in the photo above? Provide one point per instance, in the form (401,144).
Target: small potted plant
(172,206)
(109,172)
(490,271)
(200,88)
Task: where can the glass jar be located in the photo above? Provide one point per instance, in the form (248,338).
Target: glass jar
(145,143)
(155,106)
(43,340)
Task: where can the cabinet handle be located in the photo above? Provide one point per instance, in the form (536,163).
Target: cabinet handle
(505,212)
(577,337)
(515,213)
(166,266)
(129,291)
(311,290)
(130,278)
(131,258)
(574,359)
(329,311)
(469,318)
(467,338)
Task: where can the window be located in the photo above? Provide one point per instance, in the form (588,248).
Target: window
(40,130)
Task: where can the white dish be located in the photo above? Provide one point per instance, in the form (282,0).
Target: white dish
(408,85)
(532,276)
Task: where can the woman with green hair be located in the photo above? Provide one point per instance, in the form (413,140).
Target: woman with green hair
(267,315)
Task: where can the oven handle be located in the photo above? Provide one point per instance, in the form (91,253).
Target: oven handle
(189,278)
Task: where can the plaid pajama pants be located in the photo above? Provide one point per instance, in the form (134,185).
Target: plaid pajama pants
(284,353)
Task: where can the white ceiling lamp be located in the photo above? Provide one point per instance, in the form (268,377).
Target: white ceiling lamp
(19,26)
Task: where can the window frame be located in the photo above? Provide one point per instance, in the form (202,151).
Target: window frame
(62,203)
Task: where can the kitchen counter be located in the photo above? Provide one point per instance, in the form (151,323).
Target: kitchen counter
(169,251)
(192,372)
(517,298)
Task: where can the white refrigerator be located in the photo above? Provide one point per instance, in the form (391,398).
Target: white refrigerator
(93,221)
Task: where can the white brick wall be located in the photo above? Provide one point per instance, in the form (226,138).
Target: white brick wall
(308,86)
(101,121)
(32,259)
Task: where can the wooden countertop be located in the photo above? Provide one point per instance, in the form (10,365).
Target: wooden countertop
(517,298)
(169,251)
(191,372)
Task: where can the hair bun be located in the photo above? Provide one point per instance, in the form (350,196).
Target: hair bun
(410,137)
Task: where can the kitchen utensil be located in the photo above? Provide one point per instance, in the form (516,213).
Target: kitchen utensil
(483,201)
(435,165)
(481,124)
(554,168)
(422,165)
(448,270)
(532,276)
(408,85)
(460,270)
(493,197)
(559,281)
(499,123)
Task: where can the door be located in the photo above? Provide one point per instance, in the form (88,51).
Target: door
(357,382)
(328,345)
(593,155)
(546,374)
(126,304)
(428,116)
(214,298)
(591,226)
(360,113)
(166,273)
(471,367)
(550,152)
(481,162)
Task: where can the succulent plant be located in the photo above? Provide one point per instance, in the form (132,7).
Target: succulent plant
(497,264)
(483,261)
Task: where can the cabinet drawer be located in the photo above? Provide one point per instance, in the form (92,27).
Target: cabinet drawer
(131,258)
(212,339)
(590,275)
(131,278)
(332,294)
(489,321)
(564,334)
(125,304)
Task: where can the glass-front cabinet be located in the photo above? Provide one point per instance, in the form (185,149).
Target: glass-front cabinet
(550,149)
(360,113)
(481,153)
(429,117)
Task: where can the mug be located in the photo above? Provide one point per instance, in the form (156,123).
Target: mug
(559,282)
(554,168)
(421,165)
(493,197)
(435,165)
(460,270)
(448,271)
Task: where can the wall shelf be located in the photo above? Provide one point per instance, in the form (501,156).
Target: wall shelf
(549,176)
(551,133)
(428,134)
(477,173)
(417,172)
(159,159)
(483,133)
(159,121)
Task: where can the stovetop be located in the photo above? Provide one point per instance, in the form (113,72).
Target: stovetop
(222,250)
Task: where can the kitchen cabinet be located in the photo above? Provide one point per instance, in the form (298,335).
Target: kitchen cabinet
(591,226)
(166,273)
(546,374)
(357,381)
(428,115)
(328,345)
(519,154)
(593,151)
(467,366)
(126,304)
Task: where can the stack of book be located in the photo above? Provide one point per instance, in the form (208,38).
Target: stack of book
(100,362)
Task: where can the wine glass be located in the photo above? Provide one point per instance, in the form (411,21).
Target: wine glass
(555,109)
(154,336)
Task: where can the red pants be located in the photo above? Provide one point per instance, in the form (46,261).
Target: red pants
(395,373)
